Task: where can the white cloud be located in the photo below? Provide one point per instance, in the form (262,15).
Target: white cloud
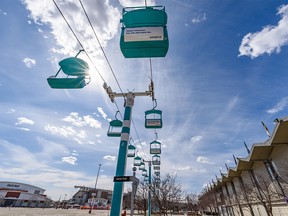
(199,19)
(92,122)
(70,159)
(103,114)
(196,138)
(105,22)
(74,119)
(279,106)
(29,62)
(21,164)
(11,111)
(133,3)
(79,121)
(205,160)
(74,153)
(269,40)
(3,12)
(109,157)
(191,169)
(24,129)
(63,131)
(23,120)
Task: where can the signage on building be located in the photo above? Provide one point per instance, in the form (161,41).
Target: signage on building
(123,178)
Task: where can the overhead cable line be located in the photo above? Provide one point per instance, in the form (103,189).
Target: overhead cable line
(78,40)
(101,47)
(73,32)
(86,14)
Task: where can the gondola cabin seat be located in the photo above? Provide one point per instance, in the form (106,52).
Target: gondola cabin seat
(67,83)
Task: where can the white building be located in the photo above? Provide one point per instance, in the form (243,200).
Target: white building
(22,195)
(258,184)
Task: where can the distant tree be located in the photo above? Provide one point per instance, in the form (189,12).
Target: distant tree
(263,192)
(166,194)
(207,201)
(191,201)
(141,199)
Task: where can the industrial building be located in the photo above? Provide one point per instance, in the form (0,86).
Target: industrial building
(87,196)
(17,194)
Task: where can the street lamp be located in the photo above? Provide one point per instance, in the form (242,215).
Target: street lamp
(92,206)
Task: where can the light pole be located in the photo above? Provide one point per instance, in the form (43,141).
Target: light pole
(149,186)
(92,206)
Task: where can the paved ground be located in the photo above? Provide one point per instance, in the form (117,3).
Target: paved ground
(49,212)
(56,212)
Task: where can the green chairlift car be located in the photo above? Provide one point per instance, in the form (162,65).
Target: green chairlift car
(153,119)
(144,32)
(115,127)
(77,71)
(156,160)
(131,150)
(137,161)
(155,147)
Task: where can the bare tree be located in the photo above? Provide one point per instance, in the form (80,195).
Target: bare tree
(141,199)
(262,191)
(192,203)
(167,194)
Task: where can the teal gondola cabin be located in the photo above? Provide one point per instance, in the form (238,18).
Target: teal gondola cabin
(144,32)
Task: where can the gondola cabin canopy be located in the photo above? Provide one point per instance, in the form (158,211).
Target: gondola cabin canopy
(155,147)
(115,127)
(144,32)
(74,66)
(153,119)
(77,71)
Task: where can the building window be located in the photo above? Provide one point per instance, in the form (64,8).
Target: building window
(13,194)
(37,192)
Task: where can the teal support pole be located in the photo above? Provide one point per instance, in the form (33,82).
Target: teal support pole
(122,157)
(149,191)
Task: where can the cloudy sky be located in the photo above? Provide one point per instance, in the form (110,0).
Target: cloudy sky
(225,72)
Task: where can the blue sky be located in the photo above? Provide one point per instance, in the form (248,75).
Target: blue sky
(225,72)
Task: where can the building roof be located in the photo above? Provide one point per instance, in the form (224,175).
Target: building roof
(259,152)
(19,183)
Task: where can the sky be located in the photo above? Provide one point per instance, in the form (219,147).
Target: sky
(224,73)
